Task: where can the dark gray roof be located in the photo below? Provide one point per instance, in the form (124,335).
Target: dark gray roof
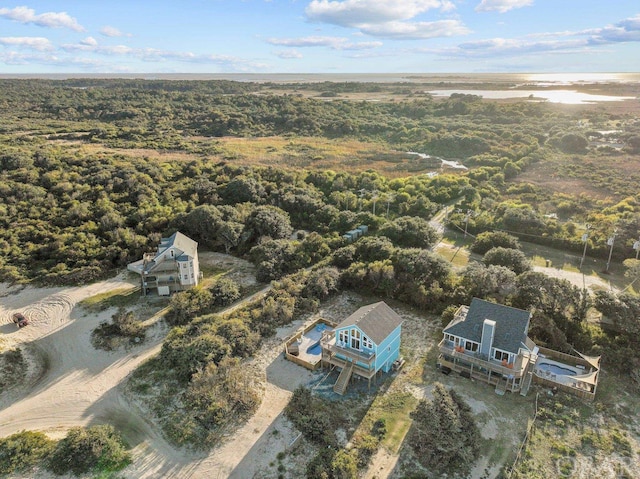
(376,321)
(512,324)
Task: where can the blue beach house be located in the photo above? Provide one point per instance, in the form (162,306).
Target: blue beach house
(365,343)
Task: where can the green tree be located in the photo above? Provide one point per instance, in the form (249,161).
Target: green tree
(269,221)
(23,450)
(410,232)
(510,258)
(224,291)
(94,449)
(444,435)
(492,239)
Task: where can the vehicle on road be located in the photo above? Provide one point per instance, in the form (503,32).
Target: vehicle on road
(20,320)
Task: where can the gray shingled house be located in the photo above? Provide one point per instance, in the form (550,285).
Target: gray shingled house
(489,342)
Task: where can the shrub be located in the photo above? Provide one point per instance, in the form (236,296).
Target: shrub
(186,305)
(23,450)
(93,449)
(224,292)
(492,239)
(124,325)
(510,258)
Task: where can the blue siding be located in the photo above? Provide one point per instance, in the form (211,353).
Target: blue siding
(386,352)
(389,350)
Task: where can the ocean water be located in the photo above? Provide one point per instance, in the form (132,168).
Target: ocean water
(570,97)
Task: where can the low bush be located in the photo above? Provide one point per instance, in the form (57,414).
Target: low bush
(123,325)
(94,449)
(23,450)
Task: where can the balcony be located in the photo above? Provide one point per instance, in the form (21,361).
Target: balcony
(364,363)
(475,359)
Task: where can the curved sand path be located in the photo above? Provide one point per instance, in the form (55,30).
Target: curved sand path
(83,386)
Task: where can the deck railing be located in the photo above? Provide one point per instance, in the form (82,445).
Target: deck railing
(330,349)
(447,348)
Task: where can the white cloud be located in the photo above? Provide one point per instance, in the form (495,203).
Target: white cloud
(90,41)
(157,55)
(625,31)
(33,43)
(350,13)
(335,43)
(109,31)
(48,19)
(386,18)
(288,54)
(416,30)
(502,6)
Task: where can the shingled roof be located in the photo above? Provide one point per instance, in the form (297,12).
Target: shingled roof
(180,242)
(186,249)
(376,321)
(512,324)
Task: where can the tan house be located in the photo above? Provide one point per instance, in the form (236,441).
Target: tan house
(173,267)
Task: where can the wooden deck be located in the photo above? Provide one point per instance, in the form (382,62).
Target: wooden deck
(488,371)
(332,354)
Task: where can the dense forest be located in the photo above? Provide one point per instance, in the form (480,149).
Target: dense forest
(71,215)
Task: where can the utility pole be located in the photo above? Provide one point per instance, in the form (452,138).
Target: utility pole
(466,221)
(362,192)
(636,246)
(585,240)
(375,198)
(610,242)
(390,198)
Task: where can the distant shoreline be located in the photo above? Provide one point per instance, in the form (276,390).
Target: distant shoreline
(553,78)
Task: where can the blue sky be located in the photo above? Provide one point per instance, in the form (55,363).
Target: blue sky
(319,36)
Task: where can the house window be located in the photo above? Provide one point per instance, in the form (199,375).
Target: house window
(355,339)
(343,337)
(501,355)
(186,276)
(366,342)
(471,346)
(171,252)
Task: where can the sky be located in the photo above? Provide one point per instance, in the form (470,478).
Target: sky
(319,36)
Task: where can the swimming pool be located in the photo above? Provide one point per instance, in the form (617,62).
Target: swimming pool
(315,349)
(555,368)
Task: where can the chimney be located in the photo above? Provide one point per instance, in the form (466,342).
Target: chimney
(488,330)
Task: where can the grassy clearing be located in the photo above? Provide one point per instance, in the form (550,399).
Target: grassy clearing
(457,256)
(394,410)
(117,298)
(211,273)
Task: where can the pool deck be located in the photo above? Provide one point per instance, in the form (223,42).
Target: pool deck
(305,340)
(582,383)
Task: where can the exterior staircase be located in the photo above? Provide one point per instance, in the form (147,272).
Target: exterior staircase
(343,379)
(526,383)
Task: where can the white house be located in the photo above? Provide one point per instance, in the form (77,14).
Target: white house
(173,267)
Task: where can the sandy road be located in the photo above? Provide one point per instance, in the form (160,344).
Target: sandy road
(82,386)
